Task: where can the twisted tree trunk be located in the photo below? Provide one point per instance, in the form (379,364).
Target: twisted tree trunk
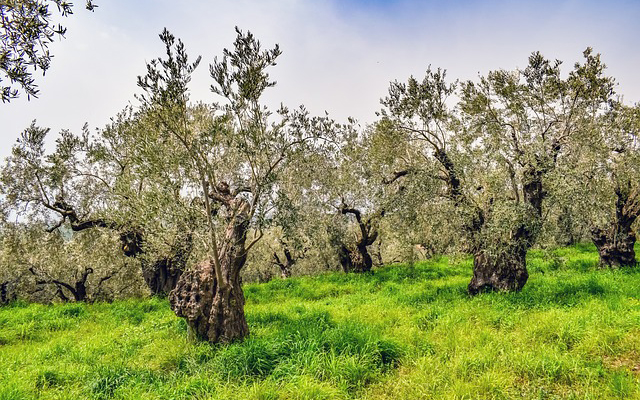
(8,292)
(356,258)
(214,310)
(78,288)
(615,244)
(162,275)
(504,268)
(285,265)
(344,254)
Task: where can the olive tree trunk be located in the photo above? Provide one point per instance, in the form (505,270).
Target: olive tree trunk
(503,271)
(8,292)
(357,258)
(615,243)
(77,288)
(504,268)
(162,275)
(286,264)
(214,311)
(615,246)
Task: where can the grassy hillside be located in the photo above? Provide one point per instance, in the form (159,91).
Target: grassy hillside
(401,333)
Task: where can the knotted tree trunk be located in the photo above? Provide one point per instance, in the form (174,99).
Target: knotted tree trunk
(7,291)
(356,258)
(214,310)
(615,243)
(77,288)
(162,275)
(344,253)
(504,268)
(285,265)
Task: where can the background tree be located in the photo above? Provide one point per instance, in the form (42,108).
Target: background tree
(612,174)
(27,31)
(110,181)
(66,266)
(364,188)
(498,151)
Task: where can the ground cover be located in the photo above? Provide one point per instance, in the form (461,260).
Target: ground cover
(402,332)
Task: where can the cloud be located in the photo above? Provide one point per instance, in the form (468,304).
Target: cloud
(338,56)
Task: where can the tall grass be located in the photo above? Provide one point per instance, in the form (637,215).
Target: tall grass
(402,332)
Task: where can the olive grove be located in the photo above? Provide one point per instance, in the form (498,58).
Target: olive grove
(186,199)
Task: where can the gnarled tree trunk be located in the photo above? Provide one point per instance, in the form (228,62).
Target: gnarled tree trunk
(615,243)
(162,275)
(215,311)
(504,271)
(285,265)
(344,254)
(356,258)
(360,258)
(78,288)
(615,246)
(8,292)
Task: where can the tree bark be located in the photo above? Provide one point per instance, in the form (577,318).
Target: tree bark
(504,268)
(344,254)
(357,258)
(78,288)
(162,275)
(286,265)
(361,259)
(213,310)
(504,271)
(615,244)
(7,291)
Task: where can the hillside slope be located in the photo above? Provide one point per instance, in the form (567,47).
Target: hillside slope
(403,332)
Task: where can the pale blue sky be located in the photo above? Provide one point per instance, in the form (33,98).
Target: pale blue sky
(338,56)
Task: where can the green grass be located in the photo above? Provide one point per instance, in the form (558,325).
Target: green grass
(403,332)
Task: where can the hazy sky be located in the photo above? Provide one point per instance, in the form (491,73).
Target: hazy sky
(338,56)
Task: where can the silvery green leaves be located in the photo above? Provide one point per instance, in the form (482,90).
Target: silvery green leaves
(27,29)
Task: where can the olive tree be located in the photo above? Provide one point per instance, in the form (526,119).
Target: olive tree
(612,173)
(64,265)
(362,187)
(236,152)
(104,182)
(498,150)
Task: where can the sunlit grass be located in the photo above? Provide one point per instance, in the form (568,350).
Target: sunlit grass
(403,332)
